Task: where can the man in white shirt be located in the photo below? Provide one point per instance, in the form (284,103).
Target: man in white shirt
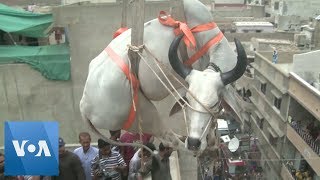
(86,153)
(136,172)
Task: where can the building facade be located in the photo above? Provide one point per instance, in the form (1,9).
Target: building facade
(285,114)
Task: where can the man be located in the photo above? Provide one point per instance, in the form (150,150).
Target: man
(1,166)
(115,136)
(136,172)
(69,165)
(107,165)
(128,151)
(162,171)
(86,153)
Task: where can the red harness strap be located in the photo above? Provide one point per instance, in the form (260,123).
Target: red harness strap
(180,27)
(119,31)
(132,79)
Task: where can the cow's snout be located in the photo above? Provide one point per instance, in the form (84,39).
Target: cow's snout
(193,143)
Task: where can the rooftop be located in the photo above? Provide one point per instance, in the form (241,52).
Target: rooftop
(249,23)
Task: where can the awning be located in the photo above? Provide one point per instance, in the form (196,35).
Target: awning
(22,22)
(52,61)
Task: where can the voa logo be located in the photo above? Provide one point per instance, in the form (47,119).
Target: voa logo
(42,148)
(31,148)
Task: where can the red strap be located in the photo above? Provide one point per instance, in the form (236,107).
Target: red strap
(189,38)
(204,49)
(180,27)
(130,76)
(119,31)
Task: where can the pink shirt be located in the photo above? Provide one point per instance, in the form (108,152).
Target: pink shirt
(129,151)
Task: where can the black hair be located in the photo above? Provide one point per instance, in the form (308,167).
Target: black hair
(150,146)
(161,147)
(112,133)
(102,143)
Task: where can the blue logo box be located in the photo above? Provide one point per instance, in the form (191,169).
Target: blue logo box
(31,148)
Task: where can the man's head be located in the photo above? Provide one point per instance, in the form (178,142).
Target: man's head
(61,146)
(145,152)
(85,140)
(114,135)
(104,147)
(165,150)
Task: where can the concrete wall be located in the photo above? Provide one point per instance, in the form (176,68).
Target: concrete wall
(248,36)
(26,95)
(294,7)
(307,66)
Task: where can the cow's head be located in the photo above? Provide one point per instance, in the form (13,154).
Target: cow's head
(206,87)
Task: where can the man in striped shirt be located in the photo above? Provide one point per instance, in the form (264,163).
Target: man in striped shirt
(107,165)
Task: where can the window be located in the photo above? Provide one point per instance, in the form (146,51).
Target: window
(245,30)
(273,137)
(258,31)
(263,88)
(273,140)
(276,6)
(261,121)
(277,102)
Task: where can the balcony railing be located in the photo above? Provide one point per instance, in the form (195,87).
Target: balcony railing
(288,171)
(305,135)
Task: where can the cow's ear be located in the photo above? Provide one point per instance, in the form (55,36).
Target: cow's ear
(177,107)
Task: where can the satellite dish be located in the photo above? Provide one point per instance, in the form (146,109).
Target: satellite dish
(233,144)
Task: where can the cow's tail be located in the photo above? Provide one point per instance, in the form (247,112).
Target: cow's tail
(110,141)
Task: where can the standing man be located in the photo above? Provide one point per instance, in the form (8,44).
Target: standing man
(86,153)
(115,136)
(162,170)
(107,165)
(69,165)
(136,171)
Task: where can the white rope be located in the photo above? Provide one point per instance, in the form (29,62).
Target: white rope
(177,100)
(164,74)
(135,48)
(206,108)
(160,79)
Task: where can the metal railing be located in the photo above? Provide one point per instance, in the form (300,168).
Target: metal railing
(305,135)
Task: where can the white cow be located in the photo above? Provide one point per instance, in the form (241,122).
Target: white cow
(107,97)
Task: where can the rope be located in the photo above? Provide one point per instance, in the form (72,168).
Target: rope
(193,96)
(135,48)
(182,106)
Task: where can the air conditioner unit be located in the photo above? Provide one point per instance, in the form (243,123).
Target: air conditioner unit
(300,39)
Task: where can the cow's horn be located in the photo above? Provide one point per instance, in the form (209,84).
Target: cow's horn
(175,62)
(240,67)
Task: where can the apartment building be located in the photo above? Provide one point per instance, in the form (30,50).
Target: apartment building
(303,145)
(271,101)
(285,147)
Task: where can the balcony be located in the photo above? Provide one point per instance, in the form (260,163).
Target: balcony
(307,147)
(307,138)
(286,173)
(305,94)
